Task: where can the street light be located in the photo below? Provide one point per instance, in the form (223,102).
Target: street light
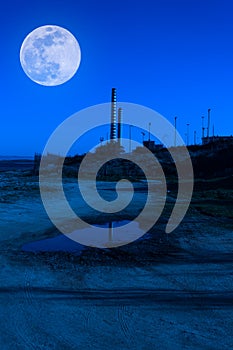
(175,132)
(188,134)
(195,137)
(149,131)
(203,128)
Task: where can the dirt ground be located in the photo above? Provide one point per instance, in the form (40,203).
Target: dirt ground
(164,292)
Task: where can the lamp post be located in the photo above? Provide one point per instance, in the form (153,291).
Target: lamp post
(188,134)
(175,132)
(149,132)
(203,128)
(208,128)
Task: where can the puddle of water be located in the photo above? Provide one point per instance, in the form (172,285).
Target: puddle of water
(113,224)
(62,243)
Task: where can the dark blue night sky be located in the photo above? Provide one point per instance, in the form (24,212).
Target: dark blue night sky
(173,56)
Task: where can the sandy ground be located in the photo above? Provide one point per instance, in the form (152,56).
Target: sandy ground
(171,292)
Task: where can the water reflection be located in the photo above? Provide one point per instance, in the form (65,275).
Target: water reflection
(62,243)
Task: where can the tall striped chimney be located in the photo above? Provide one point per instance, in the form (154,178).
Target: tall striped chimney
(113,116)
(119,125)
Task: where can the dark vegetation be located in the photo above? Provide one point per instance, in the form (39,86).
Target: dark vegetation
(212,165)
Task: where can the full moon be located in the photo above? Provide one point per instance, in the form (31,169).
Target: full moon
(50,55)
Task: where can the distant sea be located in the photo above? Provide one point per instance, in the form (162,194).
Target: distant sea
(14,163)
(16,157)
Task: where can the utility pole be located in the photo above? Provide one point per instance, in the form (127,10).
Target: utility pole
(203,128)
(175,132)
(195,137)
(208,129)
(188,134)
(149,132)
